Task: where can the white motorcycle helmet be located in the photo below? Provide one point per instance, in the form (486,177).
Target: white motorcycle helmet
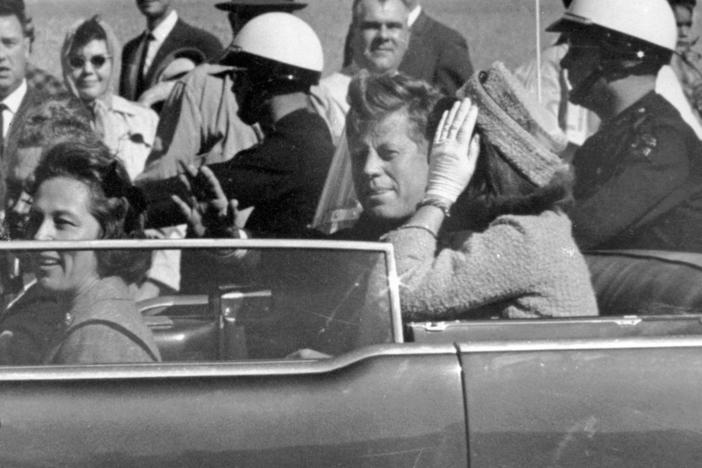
(279,54)
(635,29)
(280,46)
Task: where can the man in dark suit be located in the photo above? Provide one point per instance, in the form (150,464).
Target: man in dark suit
(16,97)
(436,53)
(166,38)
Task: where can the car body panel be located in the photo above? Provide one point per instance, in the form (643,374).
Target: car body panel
(590,391)
(585,403)
(387,406)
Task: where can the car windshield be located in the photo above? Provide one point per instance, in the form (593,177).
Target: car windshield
(236,300)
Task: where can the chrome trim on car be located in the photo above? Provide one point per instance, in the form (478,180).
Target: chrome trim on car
(221,369)
(581,344)
(197,244)
(157,304)
(169,244)
(394,284)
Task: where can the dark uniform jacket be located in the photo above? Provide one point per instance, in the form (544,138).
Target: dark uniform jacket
(639,182)
(282,178)
(182,37)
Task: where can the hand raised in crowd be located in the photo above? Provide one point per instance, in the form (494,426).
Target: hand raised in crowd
(454,152)
(209,213)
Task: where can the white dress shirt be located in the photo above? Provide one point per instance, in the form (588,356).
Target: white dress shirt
(159,34)
(12,104)
(413,15)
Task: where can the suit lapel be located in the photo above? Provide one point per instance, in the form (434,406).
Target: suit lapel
(169,44)
(15,129)
(416,60)
(420,26)
(31,98)
(133,69)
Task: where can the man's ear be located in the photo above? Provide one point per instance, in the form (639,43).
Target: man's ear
(27,47)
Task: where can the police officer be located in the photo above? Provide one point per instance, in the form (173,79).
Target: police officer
(278,58)
(638,179)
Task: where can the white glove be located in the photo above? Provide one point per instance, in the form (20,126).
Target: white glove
(454,153)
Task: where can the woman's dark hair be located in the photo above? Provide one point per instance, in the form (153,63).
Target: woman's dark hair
(88,31)
(498,189)
(115,203)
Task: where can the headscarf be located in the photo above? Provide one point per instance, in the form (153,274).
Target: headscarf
(102,105)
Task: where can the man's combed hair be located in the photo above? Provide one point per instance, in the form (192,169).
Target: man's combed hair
(91,163)
(373,97)
(16,8)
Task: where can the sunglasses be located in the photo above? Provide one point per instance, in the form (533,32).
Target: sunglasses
(97,61)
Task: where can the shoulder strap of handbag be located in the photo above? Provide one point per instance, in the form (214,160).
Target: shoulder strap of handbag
(118,328)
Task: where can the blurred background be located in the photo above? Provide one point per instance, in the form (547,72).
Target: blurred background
(495,29)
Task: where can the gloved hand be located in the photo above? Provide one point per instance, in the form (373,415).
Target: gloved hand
(454,152)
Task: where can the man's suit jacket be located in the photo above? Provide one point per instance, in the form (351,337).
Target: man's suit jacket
(436,54)
(182,36)
(14,133)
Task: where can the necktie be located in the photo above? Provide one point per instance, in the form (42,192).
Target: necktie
(141,70)
(3,108)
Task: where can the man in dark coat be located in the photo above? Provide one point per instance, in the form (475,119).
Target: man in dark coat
(16,96)
(639,178)
(165,37)
(436,53)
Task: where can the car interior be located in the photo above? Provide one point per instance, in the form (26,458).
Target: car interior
(640,294)
(306,300)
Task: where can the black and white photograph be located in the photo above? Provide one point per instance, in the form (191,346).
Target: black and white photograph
(350,233)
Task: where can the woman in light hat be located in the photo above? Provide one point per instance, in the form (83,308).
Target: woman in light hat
(507,249)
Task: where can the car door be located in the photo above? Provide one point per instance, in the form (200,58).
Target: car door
(383,403)
(591,391)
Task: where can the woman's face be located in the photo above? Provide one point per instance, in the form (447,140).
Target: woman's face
(61,211)
(91,68)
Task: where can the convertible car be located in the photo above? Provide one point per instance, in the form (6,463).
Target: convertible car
(296,354)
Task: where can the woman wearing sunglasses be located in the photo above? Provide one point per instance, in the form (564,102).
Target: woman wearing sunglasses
(90,61)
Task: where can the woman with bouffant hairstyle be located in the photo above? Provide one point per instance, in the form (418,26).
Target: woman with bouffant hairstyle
(82,193)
